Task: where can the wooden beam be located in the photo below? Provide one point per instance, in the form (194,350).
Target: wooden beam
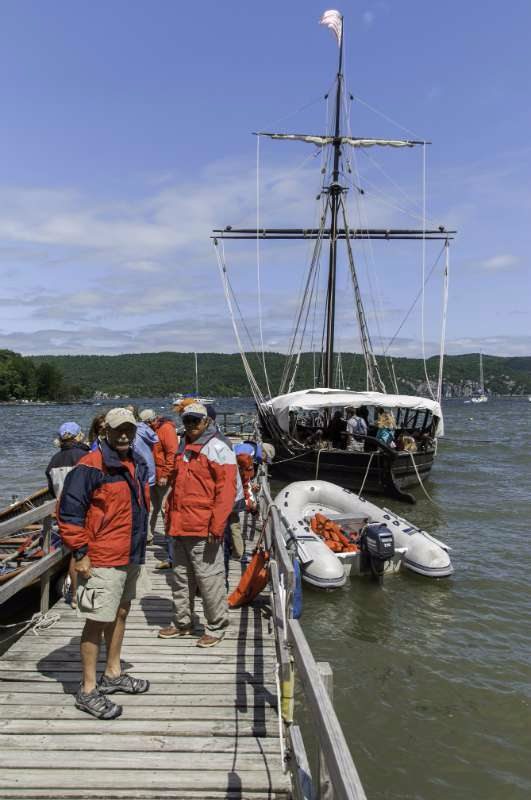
(21,520)
(343,773)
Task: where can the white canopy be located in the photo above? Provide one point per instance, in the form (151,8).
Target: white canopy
(333,398)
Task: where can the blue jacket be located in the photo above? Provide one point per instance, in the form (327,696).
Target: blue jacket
(143,444)
(104,508)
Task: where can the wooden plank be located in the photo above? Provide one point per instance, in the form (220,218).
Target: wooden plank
(142,711)
(177,677)
(139,761)
(21,520)
(343,773)
(239,689)
(111,793)
(122,725)
(195,656)
(34,571)
(184,667)
(324,782)
(166,649)
(300,769)
(243,781)
(132,743)
(248,699)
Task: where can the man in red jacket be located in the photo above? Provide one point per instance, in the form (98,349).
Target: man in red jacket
(202,496)
(103,515)
(164,452)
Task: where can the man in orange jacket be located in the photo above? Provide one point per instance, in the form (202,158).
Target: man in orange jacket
(102,516)
(164,452)
(201,499)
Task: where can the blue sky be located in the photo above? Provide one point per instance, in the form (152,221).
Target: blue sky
(126,136)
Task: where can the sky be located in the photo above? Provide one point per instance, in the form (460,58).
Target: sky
(126,137)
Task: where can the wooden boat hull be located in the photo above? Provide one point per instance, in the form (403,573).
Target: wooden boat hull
(33,500)
(389,473)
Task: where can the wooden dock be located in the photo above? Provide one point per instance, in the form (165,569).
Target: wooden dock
(207,728)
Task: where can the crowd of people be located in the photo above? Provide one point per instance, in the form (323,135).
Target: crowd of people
(111,490)
(352,429)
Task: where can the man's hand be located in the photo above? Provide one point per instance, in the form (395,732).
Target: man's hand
(82,567)
(162,482)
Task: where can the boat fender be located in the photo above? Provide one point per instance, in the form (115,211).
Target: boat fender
(296,608)
(253,580)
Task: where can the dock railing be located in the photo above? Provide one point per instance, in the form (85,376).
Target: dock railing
(237,423)
(41,569)
(337,777)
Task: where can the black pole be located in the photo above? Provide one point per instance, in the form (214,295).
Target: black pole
(335,191)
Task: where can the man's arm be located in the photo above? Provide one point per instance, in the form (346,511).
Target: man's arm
(222,462)
(74,503)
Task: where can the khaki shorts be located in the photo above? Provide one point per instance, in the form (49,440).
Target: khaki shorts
(99,596)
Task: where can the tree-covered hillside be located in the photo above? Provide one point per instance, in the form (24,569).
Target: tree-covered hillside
(161,374)
(23,379)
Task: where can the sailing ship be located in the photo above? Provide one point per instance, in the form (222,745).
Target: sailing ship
(480,397)
(296,422)
(178,397)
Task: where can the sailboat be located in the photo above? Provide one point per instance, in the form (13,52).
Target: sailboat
(296,422)
(178,397)
(480,397)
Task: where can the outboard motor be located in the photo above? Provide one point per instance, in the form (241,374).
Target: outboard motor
(377,545)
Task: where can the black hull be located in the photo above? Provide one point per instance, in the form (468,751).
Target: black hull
(389,473)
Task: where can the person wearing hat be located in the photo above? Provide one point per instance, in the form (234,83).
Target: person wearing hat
(201,498)
(164,452)
(71,449)
(356,430)
(103,518)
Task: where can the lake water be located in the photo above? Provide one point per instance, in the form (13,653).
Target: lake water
(432,679)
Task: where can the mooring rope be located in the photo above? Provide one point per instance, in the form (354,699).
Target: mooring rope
(40,621)
(420,481)
(366,473)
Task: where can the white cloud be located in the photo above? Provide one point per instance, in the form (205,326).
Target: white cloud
(504,261)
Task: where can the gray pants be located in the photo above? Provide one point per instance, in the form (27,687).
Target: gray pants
(158,494)
(198,564)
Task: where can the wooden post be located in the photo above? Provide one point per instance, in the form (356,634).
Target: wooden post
(45,577)
(326,791)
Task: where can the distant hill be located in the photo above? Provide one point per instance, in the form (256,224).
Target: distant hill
(222,375)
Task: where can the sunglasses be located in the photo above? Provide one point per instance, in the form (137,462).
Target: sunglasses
(192,422)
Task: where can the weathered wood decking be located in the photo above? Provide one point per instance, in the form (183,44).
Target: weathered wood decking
(208,727)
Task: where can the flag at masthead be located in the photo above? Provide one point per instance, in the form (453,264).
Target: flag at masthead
(333,20)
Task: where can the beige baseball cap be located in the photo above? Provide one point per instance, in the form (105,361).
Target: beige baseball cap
(118,416)
(194,410)
(147,415)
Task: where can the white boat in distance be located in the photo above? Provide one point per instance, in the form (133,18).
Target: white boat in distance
(481,397)
(204,400)
(414,548)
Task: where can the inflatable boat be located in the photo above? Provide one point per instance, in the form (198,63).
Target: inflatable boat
(383,541)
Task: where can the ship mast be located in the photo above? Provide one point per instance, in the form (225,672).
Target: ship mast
(335,191)
(335,232)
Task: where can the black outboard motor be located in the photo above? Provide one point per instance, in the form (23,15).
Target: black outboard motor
(378,545)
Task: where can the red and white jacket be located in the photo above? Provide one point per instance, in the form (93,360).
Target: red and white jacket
(203,487)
